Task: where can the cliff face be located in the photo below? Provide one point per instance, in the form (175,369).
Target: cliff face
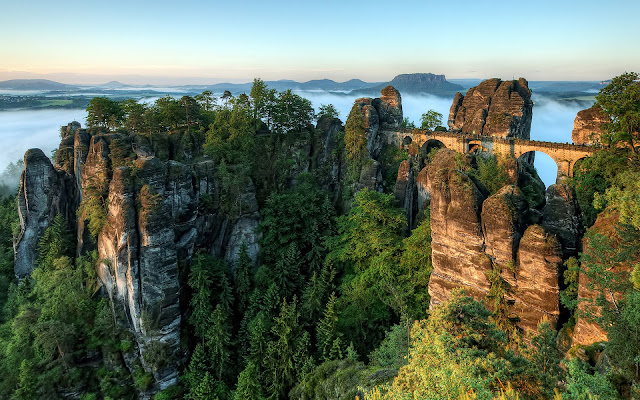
(588,125)
(587,330)
(478,242)
(44,193)
(382,115)
(494,108)
(160,211)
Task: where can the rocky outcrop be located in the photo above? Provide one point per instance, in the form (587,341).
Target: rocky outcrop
(536,287)
(561,216)
(383,113)
(456,237)
(588,126)
(503,223)
(159,213)
(406,192)
(44,193)
(493,108)
(478,242)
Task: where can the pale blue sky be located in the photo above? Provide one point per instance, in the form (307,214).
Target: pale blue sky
(190,41)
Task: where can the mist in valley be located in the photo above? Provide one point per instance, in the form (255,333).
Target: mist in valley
(22,130)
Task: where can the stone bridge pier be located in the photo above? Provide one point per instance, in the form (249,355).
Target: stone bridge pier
(565,155)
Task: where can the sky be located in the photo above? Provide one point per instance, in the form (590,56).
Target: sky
(187,41)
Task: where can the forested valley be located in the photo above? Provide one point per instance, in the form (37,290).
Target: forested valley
(333,301)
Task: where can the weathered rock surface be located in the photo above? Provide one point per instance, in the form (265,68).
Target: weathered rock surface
(406,193)
(587,331)
(561,216)
(456,237)
(502,224)
(383,113)
(159,213)
(472,236)
(536,288)
(588,125)
(44,193)
(493,108)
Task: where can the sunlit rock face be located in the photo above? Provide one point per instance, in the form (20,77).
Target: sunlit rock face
(481,243)
(588,126)
(493,108)
(587,331)
(380,114)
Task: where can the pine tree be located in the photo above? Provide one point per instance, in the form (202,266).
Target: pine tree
(242,285)
(219,341)
(200,281)
(281,351)
(249,387)
(327,332)
(198,367)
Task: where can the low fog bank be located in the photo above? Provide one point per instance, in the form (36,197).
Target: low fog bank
(553,122)
(23,130)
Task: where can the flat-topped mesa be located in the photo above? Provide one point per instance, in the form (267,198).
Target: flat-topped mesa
(588,126)
(493,108)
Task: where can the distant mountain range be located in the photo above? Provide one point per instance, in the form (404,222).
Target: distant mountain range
(406,83)
(415,84)
(35,84)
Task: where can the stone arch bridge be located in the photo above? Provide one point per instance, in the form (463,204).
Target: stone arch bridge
(565,155)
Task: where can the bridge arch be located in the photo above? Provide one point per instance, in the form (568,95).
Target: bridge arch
(546,166)
(407,140)
(575,164)
(476,145)
(429,145)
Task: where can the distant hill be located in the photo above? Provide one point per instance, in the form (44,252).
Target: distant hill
(34,84)
(417,83)
(284,84)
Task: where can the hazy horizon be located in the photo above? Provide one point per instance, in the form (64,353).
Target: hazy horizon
(236,41)
(552,121)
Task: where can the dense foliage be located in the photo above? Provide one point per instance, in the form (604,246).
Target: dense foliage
(337,305)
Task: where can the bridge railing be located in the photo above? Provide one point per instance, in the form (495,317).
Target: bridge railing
(589,148)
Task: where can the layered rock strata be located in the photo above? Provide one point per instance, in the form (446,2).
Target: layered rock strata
(160,211)
(478,242)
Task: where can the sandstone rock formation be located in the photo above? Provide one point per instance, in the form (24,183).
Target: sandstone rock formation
(561,216)
(474,237)
(588,125)
(406,192)
(44,193)
(456,237)
(384,113)
(494,108)
(536,278)
(160,211)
